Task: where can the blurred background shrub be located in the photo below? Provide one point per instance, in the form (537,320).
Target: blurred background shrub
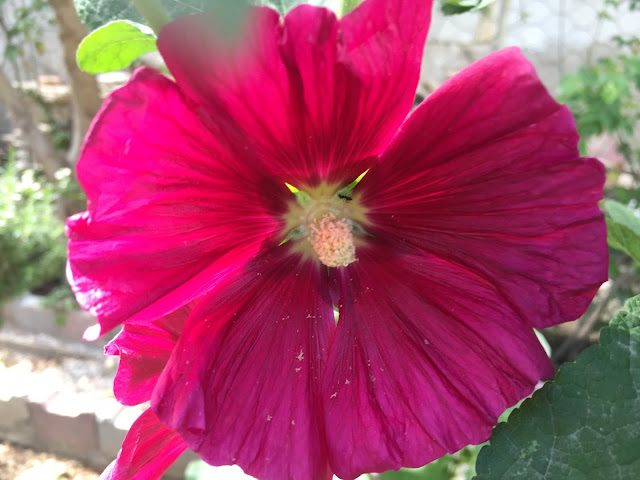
(32,238)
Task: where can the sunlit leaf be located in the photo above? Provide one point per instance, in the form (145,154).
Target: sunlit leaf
(115,46)
(623,229)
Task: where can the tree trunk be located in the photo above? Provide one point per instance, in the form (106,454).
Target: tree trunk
(85,93)
(39,143)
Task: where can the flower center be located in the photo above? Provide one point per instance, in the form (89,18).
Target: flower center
(332,240)
(326,223)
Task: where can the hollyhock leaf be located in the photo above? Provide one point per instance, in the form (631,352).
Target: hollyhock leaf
(147,452)
(425,358)
(241,386)
(115,46)
(583,425)
(151,240)
(317,97)
(508,199)
(623,229)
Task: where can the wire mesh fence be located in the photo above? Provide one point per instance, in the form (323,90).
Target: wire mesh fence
(558,36)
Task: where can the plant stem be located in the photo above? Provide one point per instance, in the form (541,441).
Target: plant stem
(153,12)
(346,6)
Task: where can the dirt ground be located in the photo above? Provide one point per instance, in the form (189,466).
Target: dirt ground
(17,463)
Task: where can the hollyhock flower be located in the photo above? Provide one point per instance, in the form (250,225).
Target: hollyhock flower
(231,209)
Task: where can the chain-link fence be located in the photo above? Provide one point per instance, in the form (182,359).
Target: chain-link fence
(558,36)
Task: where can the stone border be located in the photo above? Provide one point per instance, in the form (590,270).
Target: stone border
(38,413)
(27,314)
(74,425)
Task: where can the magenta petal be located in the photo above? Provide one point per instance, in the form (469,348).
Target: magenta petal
(242,385)
(385,41)
(144,349)
(495,184)
(425,358)
(148,451)
(315,95)
(169,193)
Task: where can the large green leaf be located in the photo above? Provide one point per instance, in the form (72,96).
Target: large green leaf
(623,229)
(583,425)
(115,46)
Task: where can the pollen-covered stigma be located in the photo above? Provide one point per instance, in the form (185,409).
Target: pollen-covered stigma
(332,240)
(326,223)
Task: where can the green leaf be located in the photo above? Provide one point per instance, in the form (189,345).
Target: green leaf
(585,424)
(115,46)
(626,195)
(623,229)
(454,7)
(458,466)
(436,470)
(11,53)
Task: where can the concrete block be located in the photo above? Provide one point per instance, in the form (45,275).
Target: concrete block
(176,471)
(109,436)
(13,411)
(15,421)
(66,424)
(26,312)
(76,322)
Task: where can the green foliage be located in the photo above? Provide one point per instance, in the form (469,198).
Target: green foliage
(115,46)
(630,4)
(583,425)
(603,98)
(25,29)
(457,466)
(436,470)
(31,233)
(623,229)
(454,7)
(61,300)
